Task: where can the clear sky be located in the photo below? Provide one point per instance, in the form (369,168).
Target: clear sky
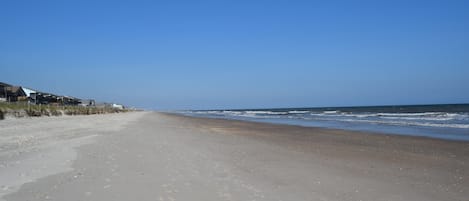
(239,54)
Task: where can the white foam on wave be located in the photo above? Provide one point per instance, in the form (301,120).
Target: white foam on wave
(407,123)
(412,114)
(427,116)
(358,115)
(422,118)
(266,112)
(425,119)
(297,112)
(330,112)
(229,112)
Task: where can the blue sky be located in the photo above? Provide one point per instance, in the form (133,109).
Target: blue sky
(239,54)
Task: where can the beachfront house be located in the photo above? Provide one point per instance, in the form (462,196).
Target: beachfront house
(28,91)
(68,100)
(87,102)
(40,98)
(3,92)
(11,93)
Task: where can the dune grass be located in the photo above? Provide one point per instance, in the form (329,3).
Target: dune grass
(21,109)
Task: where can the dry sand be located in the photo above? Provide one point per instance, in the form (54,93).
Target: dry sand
(154,156)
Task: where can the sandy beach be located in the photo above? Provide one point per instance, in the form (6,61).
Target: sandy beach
(163,157)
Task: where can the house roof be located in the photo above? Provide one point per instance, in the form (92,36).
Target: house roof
(2,84)
(15,90)
(28,91)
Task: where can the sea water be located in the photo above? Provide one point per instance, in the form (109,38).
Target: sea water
(449,121)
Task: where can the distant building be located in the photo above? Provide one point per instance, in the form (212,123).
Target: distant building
(117,106)
(68,100)
(102,104)
(87,102)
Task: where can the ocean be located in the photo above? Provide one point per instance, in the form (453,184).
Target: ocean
(450,121)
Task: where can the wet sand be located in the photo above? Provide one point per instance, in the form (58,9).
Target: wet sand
(155,156)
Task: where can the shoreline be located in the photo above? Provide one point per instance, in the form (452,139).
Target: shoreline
(331,133)
(160,156)
(365,132)
(435,121)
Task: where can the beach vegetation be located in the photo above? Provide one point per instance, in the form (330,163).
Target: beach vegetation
(22,109)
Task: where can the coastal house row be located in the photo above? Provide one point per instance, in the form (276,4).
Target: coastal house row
(10,93)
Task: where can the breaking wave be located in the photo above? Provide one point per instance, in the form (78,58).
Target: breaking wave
(422,119)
